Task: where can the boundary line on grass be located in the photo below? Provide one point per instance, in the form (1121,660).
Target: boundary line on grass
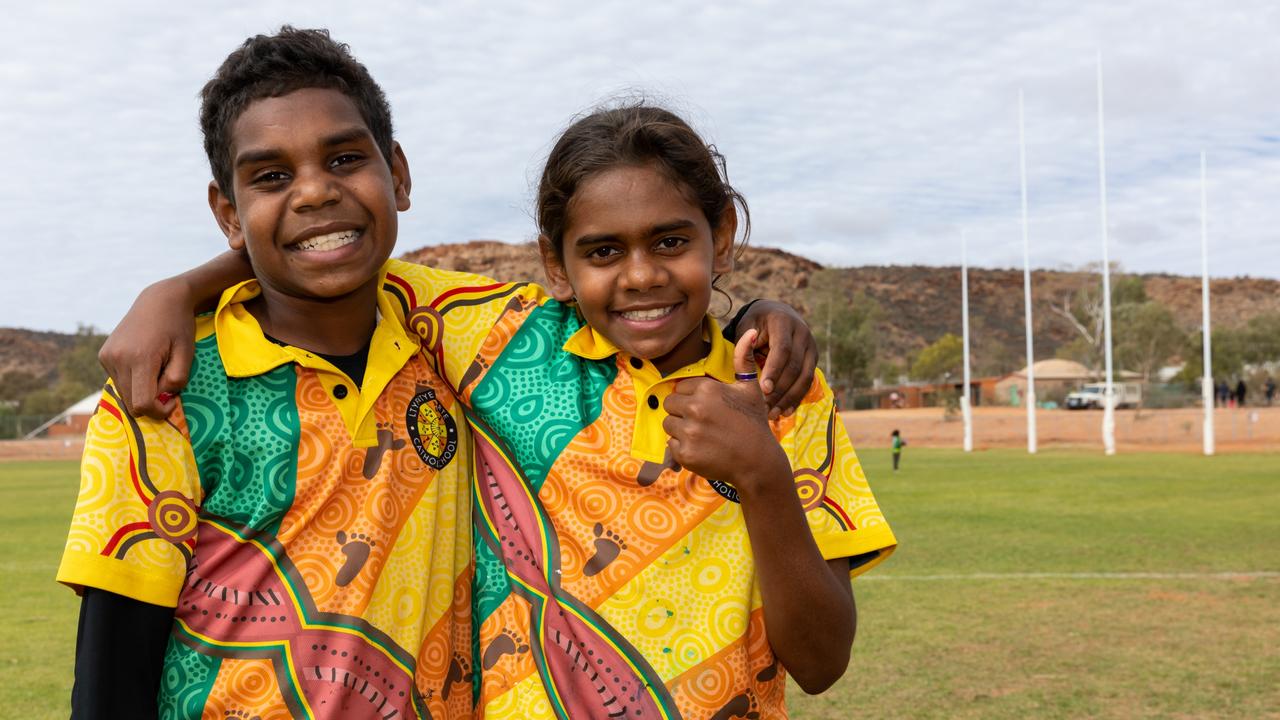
(1077,576)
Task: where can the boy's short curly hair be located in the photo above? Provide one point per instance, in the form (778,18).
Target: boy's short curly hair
(275,65)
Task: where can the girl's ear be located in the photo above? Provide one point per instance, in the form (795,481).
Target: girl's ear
(553,266)
(722,239)
(400,179)
(224,211)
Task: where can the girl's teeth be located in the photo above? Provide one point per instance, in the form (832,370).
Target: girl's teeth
(332,241)
(653,314)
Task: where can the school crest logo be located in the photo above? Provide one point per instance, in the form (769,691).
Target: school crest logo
(432,430)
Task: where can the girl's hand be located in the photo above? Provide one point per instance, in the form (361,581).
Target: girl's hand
(721,431)
(791,353)
(149,354)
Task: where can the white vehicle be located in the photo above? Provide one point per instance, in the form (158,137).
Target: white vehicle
(1090,396)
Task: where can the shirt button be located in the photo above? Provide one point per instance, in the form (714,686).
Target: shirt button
(637,363)
(339,391)
(653,402)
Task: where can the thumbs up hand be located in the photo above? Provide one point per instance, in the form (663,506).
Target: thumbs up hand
(721,430)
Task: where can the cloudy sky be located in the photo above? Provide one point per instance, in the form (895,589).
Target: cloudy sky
(860,132)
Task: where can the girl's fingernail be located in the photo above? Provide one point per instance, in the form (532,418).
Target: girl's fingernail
(164,397)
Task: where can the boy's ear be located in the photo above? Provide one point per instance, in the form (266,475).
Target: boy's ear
(722,241)
(400,176)
(224,211)
(553,266)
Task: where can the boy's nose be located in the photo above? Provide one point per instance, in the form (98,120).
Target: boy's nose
(314,190)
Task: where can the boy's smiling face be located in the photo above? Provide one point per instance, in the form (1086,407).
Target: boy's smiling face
(315,202)
(640,256)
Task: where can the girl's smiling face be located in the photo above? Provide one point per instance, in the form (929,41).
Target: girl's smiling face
(639,256)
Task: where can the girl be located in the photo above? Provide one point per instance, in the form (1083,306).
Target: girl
(655,547)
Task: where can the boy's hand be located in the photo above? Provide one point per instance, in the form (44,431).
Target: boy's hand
(149,354)
(791,353)
(721,430)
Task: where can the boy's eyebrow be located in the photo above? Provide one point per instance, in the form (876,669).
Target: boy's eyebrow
(658,229)
(340,137)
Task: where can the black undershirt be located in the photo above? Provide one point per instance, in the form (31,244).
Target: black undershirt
(352,365)
(120,642)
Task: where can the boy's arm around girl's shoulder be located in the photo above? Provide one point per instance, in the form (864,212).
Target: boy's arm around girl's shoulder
(456,313)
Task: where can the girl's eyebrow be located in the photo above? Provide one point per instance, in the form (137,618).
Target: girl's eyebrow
(659,229)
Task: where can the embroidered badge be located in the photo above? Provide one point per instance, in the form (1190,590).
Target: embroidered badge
(432,430)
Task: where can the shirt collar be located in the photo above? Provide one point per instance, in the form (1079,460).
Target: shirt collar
(588,343)
(247,352)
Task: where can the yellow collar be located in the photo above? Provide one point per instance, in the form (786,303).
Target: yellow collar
(247,352)
(588,343)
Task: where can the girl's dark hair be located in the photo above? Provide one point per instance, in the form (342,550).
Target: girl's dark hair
(276,65)
(634,134)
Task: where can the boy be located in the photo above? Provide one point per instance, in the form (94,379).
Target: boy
(300,522)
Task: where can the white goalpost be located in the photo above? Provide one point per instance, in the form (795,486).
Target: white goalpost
(1026,284)
(965,410)
(1108,398)
(1206,383)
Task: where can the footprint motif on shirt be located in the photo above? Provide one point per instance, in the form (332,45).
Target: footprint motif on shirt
(608,546)
(387,441)
(742,707)
(505,644)
(459,672)
(356,547)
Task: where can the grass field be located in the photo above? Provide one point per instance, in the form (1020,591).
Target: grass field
(1018,592)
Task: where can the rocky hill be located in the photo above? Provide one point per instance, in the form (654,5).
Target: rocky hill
(919,304)
(33,351)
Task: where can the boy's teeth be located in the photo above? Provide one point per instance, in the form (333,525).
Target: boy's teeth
(653,314)
(332,241)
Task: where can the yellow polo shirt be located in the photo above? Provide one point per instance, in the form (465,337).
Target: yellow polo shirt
(608,582)
(312,534)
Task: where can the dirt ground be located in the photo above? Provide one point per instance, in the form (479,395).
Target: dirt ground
(1235,430)
(50,449)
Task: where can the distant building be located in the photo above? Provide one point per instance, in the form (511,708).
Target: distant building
(924,394)
(1054,379)
(73,421)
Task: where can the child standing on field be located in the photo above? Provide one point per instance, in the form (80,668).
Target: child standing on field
(898,444)
(294,540)
(650,545)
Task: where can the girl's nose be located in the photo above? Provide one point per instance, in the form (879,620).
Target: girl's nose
(642,273)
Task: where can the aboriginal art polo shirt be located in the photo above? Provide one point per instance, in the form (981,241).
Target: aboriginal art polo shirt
(312,535)
(609,582)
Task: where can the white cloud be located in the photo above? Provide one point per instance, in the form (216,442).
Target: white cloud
(860,132)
